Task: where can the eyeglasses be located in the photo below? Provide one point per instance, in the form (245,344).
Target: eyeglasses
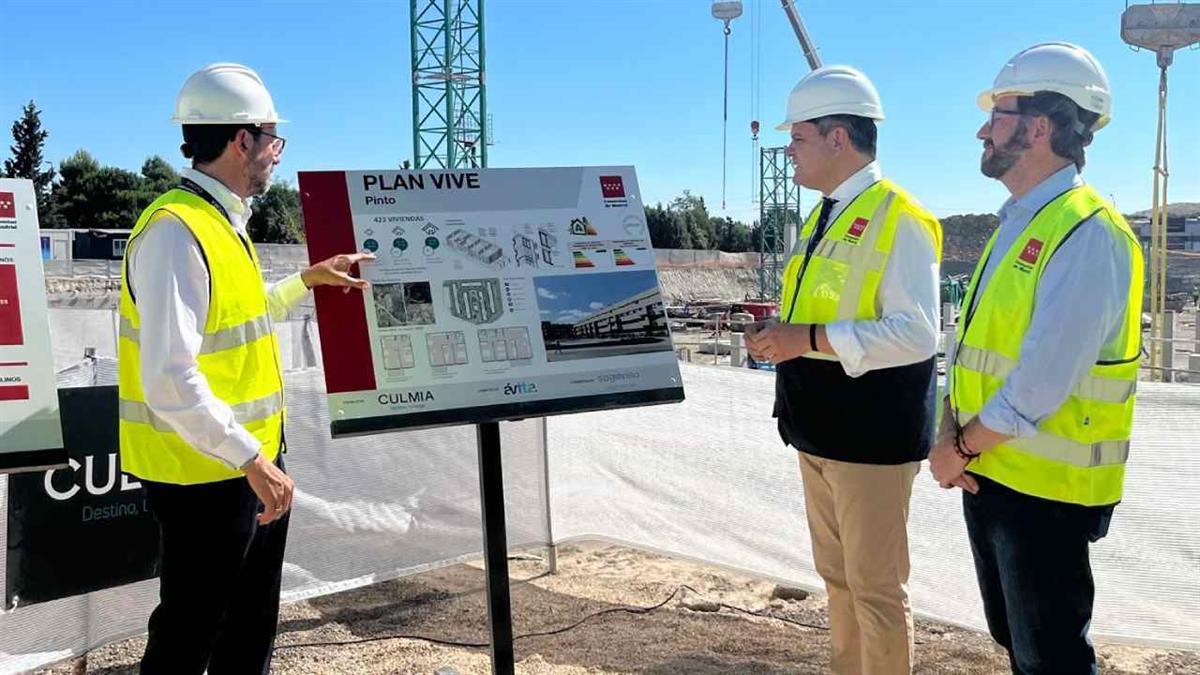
(998,111)
(277,144)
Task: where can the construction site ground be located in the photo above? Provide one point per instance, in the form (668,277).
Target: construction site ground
(729,624)
(691,634)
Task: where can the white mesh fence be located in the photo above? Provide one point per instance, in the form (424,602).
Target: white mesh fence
(367,509)
(707,479)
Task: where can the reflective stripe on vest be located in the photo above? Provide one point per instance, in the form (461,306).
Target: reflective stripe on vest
(227,338)
(1091,387)
(244,413)
(1066,450)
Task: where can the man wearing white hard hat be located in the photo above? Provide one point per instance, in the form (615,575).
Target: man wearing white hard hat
(1041,382)
(201,384)
(854,350)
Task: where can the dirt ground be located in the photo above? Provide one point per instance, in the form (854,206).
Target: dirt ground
(695,633)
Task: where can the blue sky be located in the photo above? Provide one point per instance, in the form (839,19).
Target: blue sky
(571,297)
(592,83)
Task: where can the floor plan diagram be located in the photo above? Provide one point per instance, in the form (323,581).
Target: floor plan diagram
(397,352)
(505,344)
(447,349)
(475,300)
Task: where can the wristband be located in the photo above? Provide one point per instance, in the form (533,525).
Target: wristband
(962,449)
(812,337)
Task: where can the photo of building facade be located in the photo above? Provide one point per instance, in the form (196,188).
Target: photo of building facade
(600,315)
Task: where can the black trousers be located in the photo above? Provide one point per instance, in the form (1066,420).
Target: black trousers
(1031,558)
(219,580)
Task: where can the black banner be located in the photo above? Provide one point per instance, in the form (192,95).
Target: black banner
(84,527)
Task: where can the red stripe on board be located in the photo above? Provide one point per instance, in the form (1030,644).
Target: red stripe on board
(8,245)
(14,392)
(14,363)
(341,317)
(10,307)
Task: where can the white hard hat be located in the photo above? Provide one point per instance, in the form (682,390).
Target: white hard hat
(1059,67)
(225,93)
(832,90)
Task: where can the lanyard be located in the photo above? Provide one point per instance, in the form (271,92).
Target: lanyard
(189,185)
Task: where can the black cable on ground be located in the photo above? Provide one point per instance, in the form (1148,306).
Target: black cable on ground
(558,631)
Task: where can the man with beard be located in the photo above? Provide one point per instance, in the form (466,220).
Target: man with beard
(1041,383)
(857,337)
(201,384)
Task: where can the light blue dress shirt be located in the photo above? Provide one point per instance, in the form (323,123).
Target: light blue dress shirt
(1081,299)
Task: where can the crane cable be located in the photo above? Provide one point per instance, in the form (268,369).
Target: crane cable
(725,119)
(755,74)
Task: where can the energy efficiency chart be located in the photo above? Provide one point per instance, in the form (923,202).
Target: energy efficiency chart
(495,294)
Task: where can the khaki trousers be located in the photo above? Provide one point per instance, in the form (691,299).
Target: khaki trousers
(858,517)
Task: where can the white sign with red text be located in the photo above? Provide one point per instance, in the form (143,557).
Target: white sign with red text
(29,420)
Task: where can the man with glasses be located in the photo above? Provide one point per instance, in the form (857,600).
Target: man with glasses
(201,384)
(1041,383)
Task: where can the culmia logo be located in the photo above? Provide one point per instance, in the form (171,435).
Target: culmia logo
(406,397)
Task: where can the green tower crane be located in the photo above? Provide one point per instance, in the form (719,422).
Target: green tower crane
(449,96)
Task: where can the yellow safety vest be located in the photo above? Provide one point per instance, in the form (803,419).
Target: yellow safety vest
(239,354)
(1079,453)
(841,280)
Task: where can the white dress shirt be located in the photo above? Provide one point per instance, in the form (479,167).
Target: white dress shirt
(909,294)
(1080,303)
(169,279)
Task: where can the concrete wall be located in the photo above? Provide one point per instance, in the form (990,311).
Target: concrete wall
(684,258)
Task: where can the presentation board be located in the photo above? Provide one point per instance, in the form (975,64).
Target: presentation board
(30,430)
(495,294)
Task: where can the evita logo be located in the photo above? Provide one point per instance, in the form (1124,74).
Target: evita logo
(515,388)
(406,397)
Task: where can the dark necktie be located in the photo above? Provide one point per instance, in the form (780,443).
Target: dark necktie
(822,223)
(823,219)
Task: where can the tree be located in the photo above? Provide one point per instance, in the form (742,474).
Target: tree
(89,195)
(277,218)
(116,199)
(69,194)
(732,236)
(685,223)
(157,176)
(665,230)
(756,238)
(771,233)
(29,139)
(160,176)
(697,226)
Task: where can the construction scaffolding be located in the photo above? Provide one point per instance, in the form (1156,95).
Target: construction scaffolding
(449,96)
(778,219)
